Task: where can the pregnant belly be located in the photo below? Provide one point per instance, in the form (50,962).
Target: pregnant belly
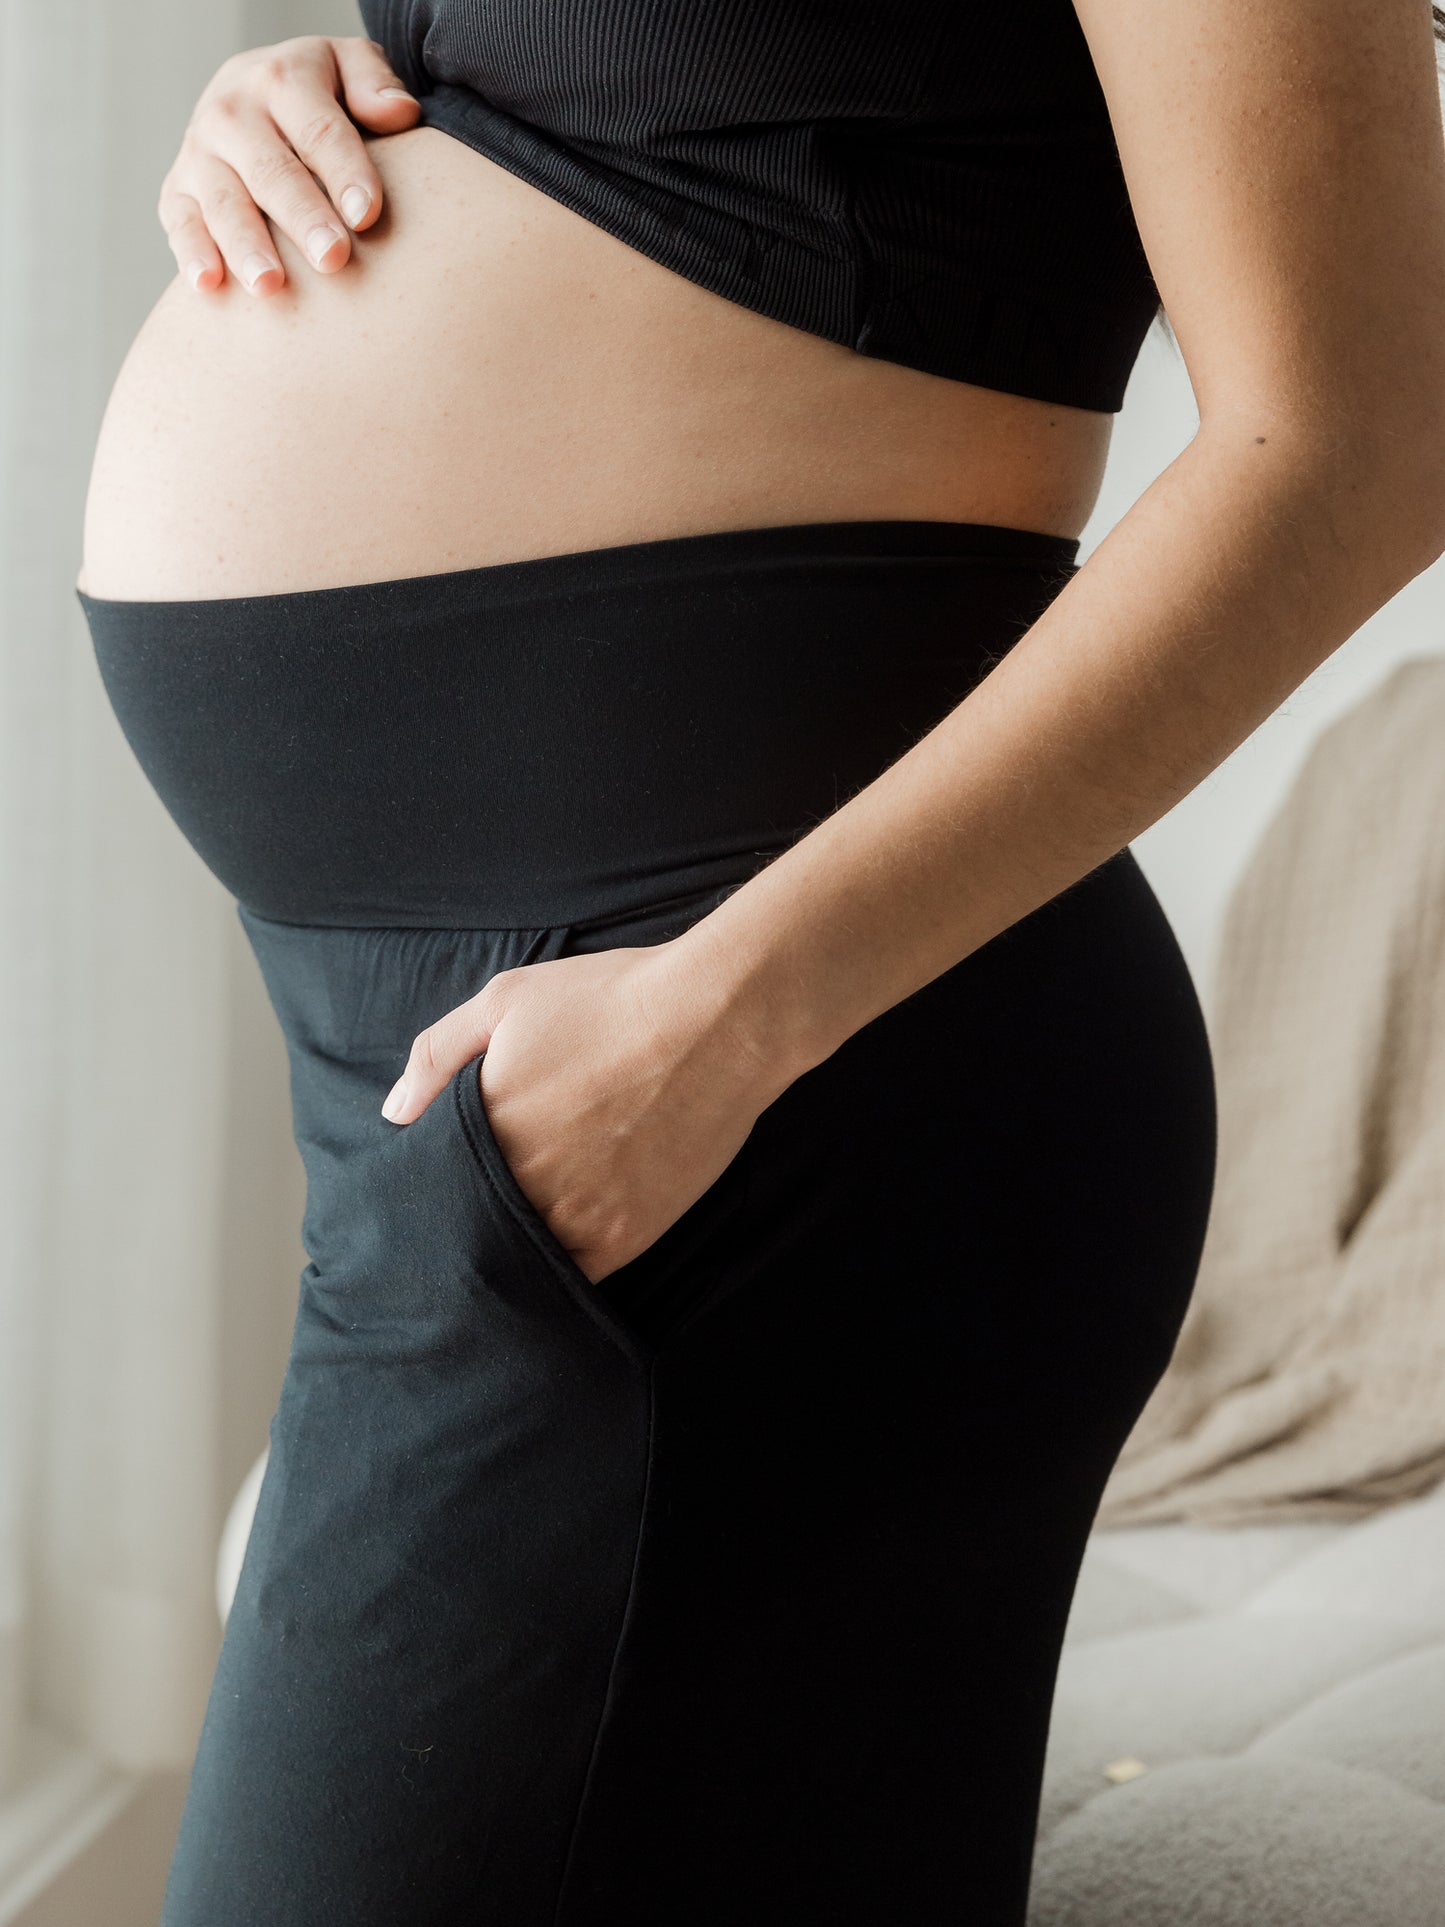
(490,378)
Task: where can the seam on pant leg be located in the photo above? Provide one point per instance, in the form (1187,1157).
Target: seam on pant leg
(610,1694)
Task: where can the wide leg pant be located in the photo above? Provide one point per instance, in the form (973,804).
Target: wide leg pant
(729,1589)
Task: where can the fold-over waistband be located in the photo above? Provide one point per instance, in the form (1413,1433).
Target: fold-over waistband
(564,737)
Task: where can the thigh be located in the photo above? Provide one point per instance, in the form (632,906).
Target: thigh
(1016,1163)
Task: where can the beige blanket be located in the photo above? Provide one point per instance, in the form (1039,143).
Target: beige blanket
(1309,1378)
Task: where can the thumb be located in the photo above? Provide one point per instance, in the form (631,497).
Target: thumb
(439,1051)
(372,94)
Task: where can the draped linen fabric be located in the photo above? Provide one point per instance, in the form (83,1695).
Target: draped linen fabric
(1308,1382)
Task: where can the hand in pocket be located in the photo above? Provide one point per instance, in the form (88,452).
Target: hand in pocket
(617,1088)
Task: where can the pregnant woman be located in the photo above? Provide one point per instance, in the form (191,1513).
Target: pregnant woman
(612,618)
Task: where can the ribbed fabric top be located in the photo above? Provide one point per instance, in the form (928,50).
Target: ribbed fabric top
(926,181)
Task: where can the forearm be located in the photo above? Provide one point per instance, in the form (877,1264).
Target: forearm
(1239,571)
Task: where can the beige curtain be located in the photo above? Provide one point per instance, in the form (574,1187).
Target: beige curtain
(1309,1377)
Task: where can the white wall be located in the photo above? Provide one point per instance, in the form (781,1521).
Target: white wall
(1193,855)
(266,21)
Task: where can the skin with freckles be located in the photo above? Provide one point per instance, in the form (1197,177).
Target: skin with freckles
(1287,169)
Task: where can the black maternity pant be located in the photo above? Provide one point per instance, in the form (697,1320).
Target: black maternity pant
(729,1589)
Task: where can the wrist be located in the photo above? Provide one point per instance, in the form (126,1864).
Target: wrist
(751,1012)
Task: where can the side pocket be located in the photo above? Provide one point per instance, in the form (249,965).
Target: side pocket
(532,1232)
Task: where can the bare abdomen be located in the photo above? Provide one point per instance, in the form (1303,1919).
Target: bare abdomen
(491,377)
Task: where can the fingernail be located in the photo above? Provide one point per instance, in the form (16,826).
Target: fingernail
(395,1100)
(195,271)
(394,93)
(354,203)
(322,237)
(254,266)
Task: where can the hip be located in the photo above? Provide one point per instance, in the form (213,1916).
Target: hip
(1008,1173)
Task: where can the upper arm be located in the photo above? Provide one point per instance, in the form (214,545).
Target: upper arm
(1286,164)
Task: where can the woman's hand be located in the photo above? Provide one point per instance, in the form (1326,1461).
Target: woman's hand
(618,1085)
(267,121)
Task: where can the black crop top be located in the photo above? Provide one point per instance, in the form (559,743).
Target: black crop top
(933,182)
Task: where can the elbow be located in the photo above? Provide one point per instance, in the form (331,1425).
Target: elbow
(1379,486)
(1392,508)
(1427,499)
(1401,472)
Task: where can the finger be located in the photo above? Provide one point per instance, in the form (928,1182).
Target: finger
(373,94)
(329,146)
(279,183)
(197,256)
(230,216)
(439,1051)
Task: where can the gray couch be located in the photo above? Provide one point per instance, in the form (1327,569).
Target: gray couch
(1283,1688)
